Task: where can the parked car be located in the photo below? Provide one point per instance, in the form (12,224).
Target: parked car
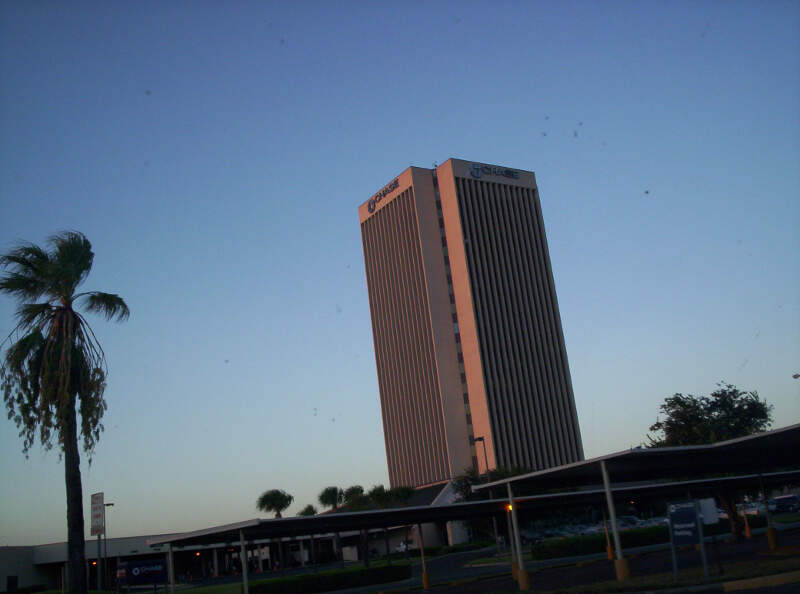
(784,504)
(528,536)
(628,522)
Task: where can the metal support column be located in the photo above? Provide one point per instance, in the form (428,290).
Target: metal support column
(620,563)
(170,569)
(99,566)
(425,582)
(216,564)
(512,553)
(772,536)
(522,575)
(243,556)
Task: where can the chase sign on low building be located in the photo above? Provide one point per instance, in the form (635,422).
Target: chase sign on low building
(477,170)
(135,573)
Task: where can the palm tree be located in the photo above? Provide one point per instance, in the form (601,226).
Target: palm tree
(381,498)
(353,494)
(274,500)
(308,510)
(54,360)
(331,497)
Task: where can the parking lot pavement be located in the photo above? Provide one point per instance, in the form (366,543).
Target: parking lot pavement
(555,578)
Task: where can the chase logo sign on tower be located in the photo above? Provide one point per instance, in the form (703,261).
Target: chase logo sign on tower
(477,171)
(373,202)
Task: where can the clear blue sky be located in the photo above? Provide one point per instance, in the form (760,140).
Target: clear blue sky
(215,154)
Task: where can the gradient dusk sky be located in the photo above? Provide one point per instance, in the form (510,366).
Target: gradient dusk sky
(215,154)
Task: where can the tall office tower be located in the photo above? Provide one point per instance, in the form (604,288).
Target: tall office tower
(465,321)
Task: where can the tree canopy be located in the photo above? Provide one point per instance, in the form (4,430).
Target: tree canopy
(726,414)
(274,500)
(308,510)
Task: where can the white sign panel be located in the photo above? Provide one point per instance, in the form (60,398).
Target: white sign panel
(708,509)
(97,513)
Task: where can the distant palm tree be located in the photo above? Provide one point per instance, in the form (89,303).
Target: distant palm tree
(353,494)
(381,498)
(274,500)
(331,497)
(56,361)
(308,510)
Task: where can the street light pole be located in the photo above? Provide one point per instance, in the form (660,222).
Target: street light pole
(105,539)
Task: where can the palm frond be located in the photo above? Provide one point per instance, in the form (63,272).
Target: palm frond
(22,286)
(21,351)
(32,314)
(107,304)
(26,257)
(72,259)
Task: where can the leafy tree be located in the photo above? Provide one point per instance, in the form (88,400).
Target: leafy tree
(331,497)
(401,495)
(463,483)
(308,510)
(726,414)
(54,367)
(274,500)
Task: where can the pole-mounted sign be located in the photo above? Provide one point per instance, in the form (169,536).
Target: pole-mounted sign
(97,513)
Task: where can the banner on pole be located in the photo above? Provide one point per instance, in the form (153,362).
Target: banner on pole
(97,513)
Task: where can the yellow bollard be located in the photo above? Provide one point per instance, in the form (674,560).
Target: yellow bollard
(622,569)
(524,580)
(747,532)
(772,538)
(425,581)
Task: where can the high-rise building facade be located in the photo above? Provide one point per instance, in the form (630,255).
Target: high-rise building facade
(472,367)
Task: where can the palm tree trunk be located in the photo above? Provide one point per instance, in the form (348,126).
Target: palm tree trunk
(72,474)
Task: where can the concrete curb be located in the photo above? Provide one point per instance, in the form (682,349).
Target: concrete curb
(766,581)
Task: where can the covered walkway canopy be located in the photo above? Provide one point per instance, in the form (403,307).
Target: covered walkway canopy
(770,458)
(746,462)
(761,453)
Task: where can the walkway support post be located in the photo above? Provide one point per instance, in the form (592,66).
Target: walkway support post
(170,569)
(522,574)
(620,563)
(216,564)
(425,582)
(512,553)
(772,536)
(243,555)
